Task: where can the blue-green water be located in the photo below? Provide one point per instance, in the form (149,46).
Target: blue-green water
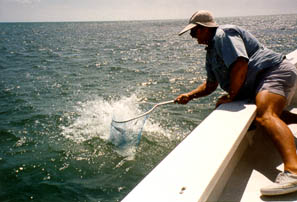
(61,83)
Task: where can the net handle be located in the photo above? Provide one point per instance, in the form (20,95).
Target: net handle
(146,113)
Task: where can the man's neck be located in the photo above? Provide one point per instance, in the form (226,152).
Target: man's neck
(212,34)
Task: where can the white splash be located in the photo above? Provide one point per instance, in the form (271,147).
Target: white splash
(94,118)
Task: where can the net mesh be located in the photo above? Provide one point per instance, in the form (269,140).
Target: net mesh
(127,134)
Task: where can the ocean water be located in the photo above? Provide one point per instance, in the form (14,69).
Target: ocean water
(61,84)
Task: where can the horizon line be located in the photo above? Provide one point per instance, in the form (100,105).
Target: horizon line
(131,20)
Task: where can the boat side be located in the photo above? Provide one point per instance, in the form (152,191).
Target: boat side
(190,172)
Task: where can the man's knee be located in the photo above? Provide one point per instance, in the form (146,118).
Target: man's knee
(265,119)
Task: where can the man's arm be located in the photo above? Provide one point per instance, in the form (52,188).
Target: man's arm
(203,90)
(237,77)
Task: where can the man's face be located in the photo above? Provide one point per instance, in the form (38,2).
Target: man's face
(201,34)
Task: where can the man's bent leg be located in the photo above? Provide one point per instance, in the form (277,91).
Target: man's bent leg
(269,107)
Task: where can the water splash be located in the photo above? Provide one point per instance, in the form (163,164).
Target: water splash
(93,120)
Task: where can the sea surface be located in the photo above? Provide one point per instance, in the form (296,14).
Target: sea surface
(61,84)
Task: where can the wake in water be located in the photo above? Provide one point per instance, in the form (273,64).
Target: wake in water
(94,120)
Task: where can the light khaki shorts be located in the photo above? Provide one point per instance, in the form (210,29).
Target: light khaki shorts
(280,80)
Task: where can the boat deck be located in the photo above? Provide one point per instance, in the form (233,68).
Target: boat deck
(259,166)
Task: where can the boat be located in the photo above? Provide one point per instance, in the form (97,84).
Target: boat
(222,159)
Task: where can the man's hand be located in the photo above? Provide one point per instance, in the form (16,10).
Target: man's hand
(223,99)
(183,99)
(204,89)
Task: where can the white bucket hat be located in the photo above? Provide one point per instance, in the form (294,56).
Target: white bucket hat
(204,18)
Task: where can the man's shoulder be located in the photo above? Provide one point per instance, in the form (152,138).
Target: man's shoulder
(225,32)
(231,29)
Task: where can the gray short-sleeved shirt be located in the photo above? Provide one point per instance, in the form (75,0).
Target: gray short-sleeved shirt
(231,42)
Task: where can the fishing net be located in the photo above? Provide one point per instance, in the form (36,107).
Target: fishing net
(126,134)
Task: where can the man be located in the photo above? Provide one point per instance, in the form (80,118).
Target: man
(245,69)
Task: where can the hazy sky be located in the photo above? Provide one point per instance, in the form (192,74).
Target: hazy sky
(102,10)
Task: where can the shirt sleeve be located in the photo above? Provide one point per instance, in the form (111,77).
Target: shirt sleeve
(229,47)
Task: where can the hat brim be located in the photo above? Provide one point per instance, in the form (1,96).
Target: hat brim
(187,28)
(192,25)
(208,24)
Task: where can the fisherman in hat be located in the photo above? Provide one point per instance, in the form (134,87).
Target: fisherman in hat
(245,69)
